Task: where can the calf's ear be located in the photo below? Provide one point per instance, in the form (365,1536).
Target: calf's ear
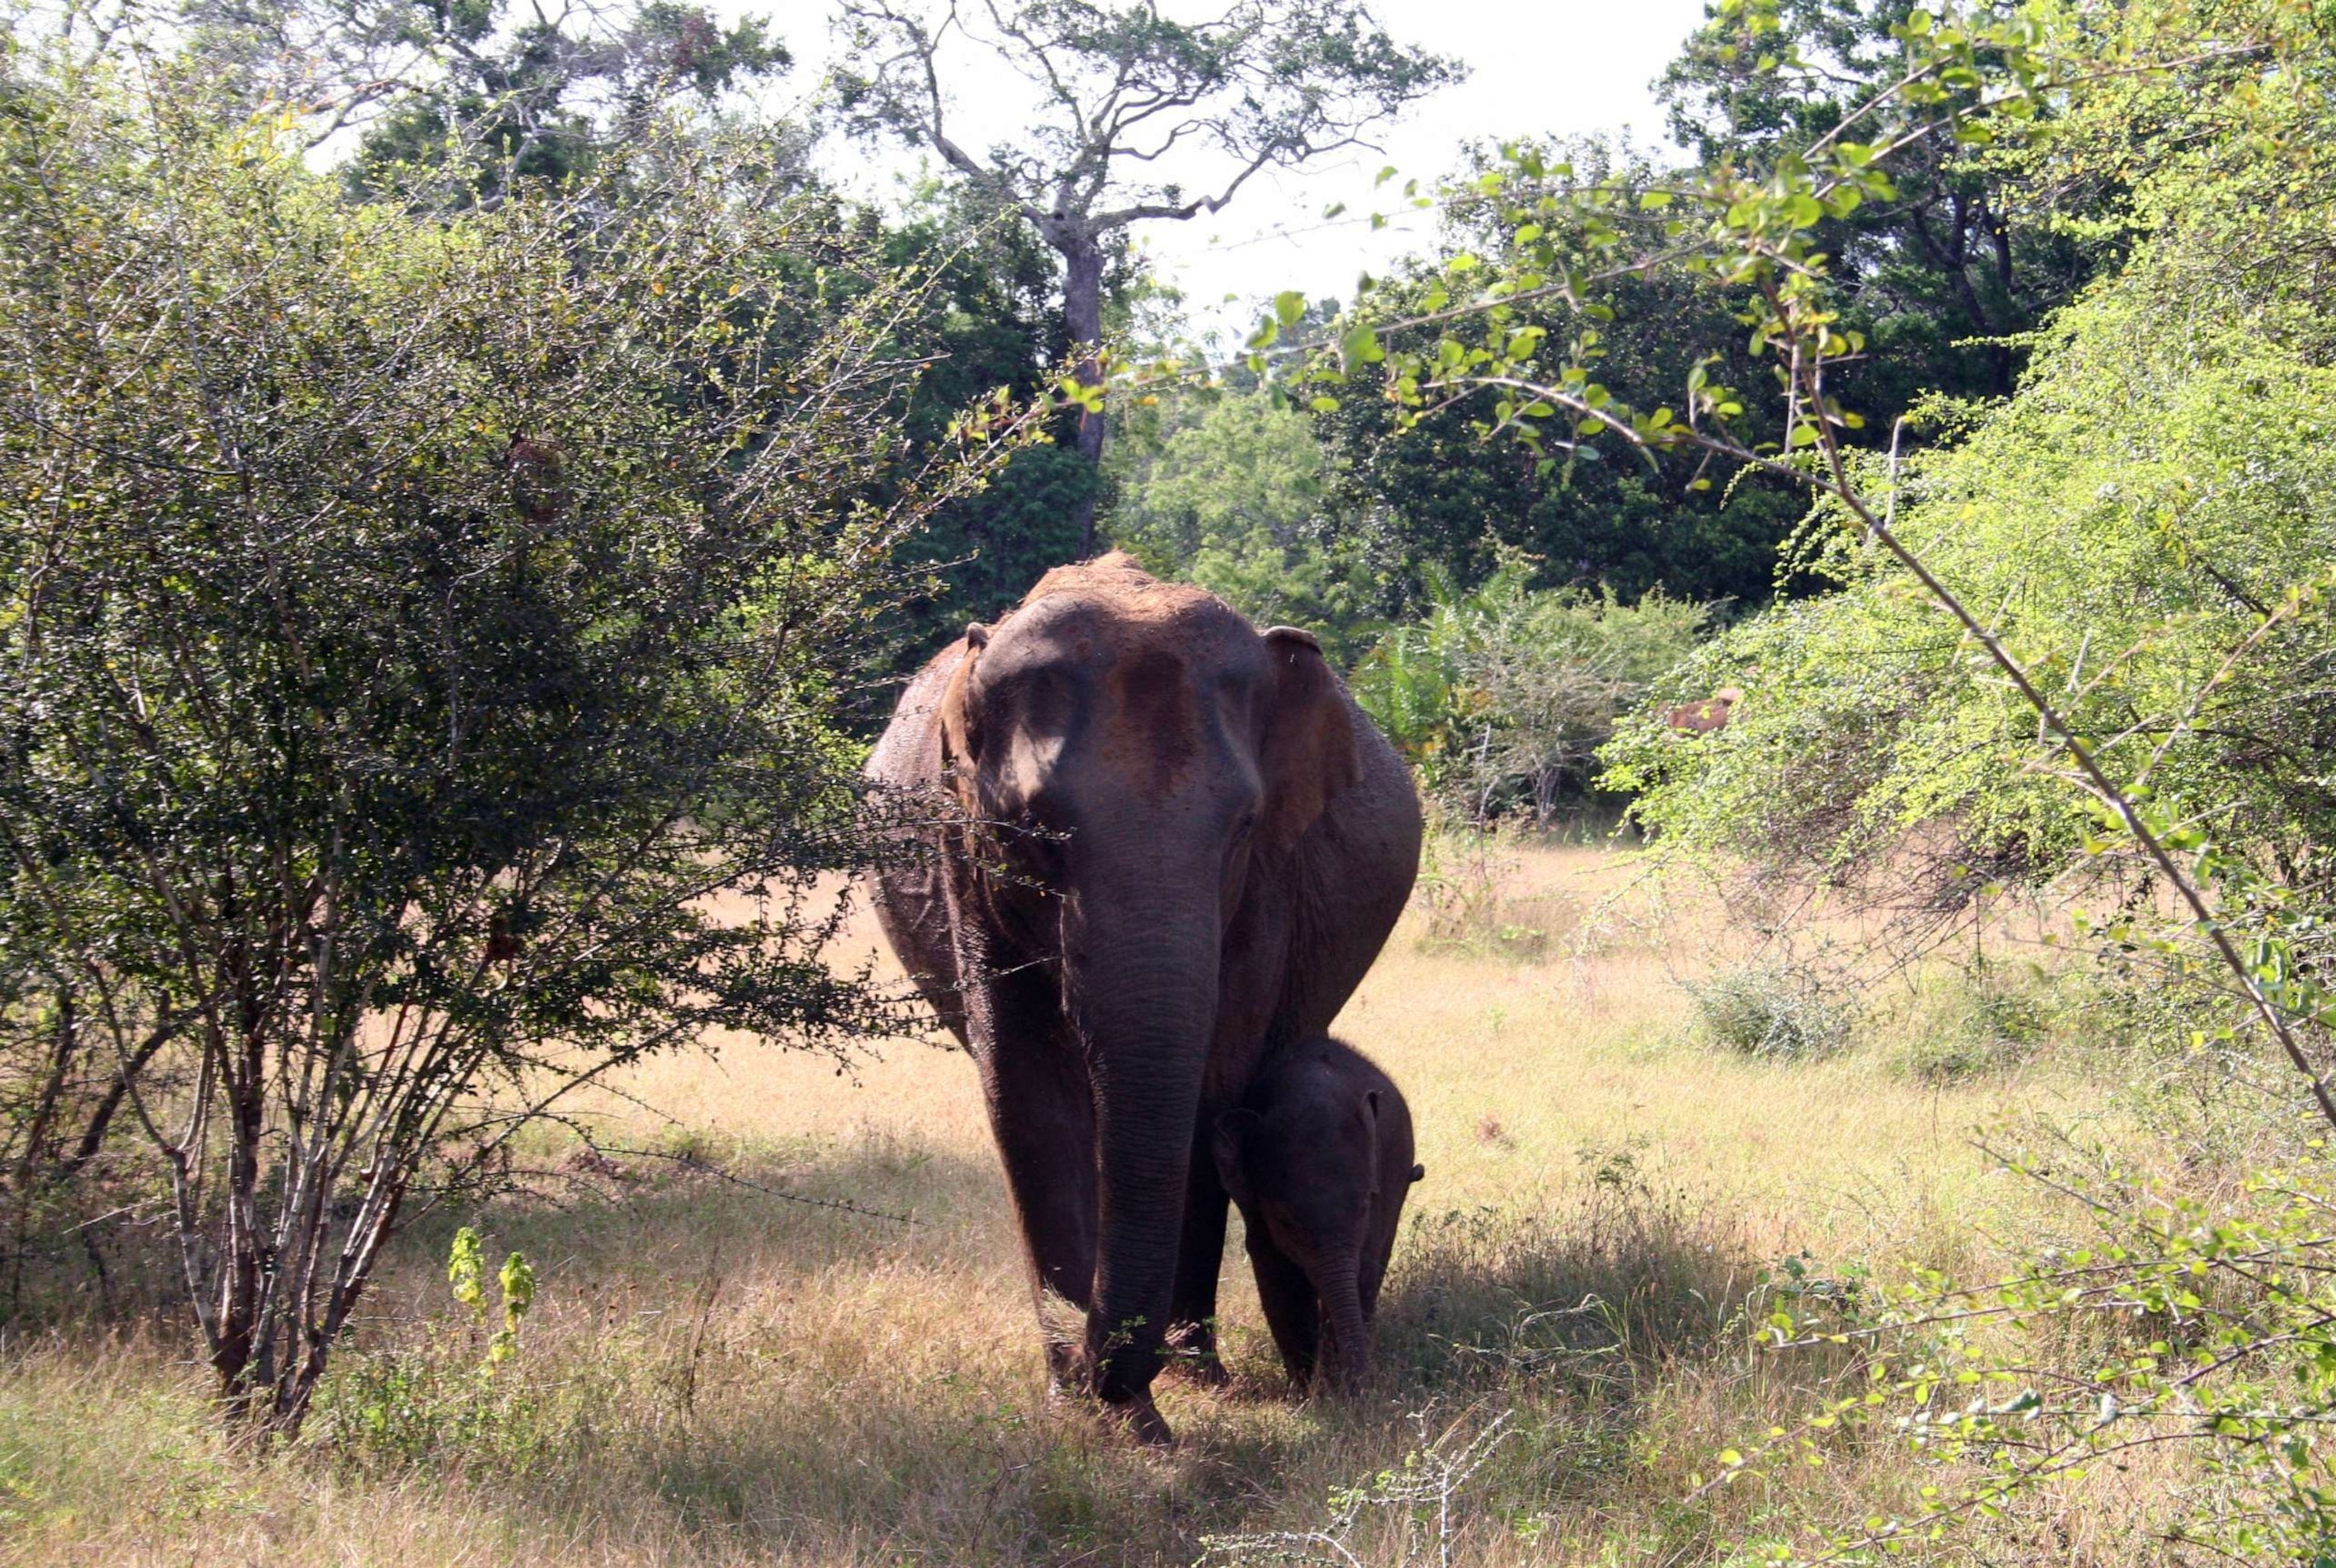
(1234,1130)
(1308,757)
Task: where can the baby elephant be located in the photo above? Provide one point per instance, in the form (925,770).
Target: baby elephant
(1319,1160)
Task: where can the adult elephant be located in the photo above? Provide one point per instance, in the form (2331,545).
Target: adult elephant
(1181,846)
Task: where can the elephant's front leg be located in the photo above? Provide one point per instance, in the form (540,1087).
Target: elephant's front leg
(1041,1114)
(1200,1258)
(1292,1311)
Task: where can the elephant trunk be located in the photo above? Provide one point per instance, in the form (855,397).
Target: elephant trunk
(1142,984)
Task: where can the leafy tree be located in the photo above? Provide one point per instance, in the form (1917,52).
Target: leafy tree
(1268,83)
(481,86)
(1946,274)
(1233,492)
(412,625)
(537,101)
(1438,490)
(992,322)
(2145,549)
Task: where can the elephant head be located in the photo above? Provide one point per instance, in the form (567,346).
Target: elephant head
(1131,750)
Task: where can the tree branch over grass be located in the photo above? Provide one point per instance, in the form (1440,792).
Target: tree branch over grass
(2234,1300)
(1758,238)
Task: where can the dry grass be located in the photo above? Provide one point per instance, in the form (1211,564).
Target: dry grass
(714,1375)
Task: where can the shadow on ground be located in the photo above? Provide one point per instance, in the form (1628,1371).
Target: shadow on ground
(712,1372)
(733,1374)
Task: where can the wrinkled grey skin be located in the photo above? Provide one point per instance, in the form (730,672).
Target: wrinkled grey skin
(1319,1160)
(1223,844)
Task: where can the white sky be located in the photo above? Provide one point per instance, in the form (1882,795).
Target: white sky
(1537,67)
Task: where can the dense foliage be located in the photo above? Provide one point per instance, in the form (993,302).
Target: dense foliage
(1232,491)
(1501,695)
(2074,631)
(1440,495)
(1944,276)
(2149,521)
(413,624)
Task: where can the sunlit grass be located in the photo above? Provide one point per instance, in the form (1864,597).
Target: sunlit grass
(713,1373)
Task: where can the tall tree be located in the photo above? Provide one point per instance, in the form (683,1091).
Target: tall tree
(1945,275)
(485,85)
(1435,493)
(1126,96)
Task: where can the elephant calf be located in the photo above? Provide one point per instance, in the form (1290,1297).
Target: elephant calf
(1319,1158)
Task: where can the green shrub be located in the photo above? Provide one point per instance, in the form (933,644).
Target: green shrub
(1972,1023)
(1501,695)
(410,621)
(1771,1008)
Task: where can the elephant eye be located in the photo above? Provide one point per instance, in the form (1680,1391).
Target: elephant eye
(1248,826)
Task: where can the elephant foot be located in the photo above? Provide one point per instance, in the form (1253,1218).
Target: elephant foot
(1142,1420)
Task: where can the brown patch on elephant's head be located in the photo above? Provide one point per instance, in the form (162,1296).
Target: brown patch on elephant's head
(1151,644)
(1153,735)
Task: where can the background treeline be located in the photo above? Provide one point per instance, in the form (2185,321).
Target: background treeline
(1335,520)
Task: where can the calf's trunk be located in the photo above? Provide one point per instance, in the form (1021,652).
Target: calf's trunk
(1346,1349)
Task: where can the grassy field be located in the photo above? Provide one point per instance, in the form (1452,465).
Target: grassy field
(714,1374)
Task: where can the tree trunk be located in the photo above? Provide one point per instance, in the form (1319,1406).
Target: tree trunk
(1083,315)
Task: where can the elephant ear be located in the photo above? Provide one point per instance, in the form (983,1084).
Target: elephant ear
(1369,1112)
(1309,754)
(1234,1130)
(959,739)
